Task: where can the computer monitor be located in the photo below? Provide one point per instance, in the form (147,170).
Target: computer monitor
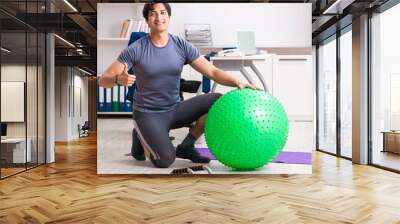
(246,42)
(3,129)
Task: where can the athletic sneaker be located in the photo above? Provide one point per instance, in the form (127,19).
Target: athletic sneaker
(192,154)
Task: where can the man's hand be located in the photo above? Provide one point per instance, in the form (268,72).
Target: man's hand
(242,85)
(126,79)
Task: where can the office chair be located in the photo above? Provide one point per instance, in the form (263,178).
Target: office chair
(84,130)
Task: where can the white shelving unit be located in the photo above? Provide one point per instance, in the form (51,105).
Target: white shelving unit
(110,17)
(114,113)
(114,39)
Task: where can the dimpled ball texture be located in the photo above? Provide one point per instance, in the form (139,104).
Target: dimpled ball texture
(245,129)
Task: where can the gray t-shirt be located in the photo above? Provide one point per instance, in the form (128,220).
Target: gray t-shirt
(158,71)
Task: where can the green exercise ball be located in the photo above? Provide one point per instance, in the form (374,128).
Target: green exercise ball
(245,129)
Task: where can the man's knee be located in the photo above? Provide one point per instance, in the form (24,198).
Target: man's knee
(164,161)
(213,98)
(216,96)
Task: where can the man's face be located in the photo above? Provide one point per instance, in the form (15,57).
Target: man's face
(158,18)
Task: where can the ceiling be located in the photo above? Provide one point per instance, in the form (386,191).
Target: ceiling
(76,22)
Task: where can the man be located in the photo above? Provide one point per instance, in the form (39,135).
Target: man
(158,59)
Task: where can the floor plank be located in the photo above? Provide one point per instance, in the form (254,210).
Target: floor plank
(70,191)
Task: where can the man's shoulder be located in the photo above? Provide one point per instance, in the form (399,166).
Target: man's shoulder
(178,40)
(176,37)
(138,44)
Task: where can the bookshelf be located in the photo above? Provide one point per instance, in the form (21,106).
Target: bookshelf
(110,19)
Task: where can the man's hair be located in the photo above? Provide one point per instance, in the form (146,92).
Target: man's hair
(150,6)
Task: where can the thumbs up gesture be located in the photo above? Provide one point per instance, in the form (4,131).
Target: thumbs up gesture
(126,79)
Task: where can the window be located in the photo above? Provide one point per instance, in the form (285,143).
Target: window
(22,76)
(346,92)
(327,96)
(385,89)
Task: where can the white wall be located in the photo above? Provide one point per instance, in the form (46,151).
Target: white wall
(14,73)
(12,101)
(275,25)
(33,127)
(61,103)
(69,82)
(80,94)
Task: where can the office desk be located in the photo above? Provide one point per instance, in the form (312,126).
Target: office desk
(13,150)
(239,63)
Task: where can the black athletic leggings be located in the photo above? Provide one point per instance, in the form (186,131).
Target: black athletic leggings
(152,129)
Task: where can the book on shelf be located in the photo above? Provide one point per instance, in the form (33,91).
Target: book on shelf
(125,27)
(132,25)
(143,27)
(135,27)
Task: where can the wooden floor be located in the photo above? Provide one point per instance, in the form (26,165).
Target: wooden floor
(387,159)
(70,191)
(10,171)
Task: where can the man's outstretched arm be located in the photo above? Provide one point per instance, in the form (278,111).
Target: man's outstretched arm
(208,69)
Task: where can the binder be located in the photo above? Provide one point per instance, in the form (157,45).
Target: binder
(108,100)
(115,99)
(122,98)
(128,104)
(100,99)
(206,85)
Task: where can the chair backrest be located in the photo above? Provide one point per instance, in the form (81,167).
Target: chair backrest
(136,36)
(131,90)
(86,125)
